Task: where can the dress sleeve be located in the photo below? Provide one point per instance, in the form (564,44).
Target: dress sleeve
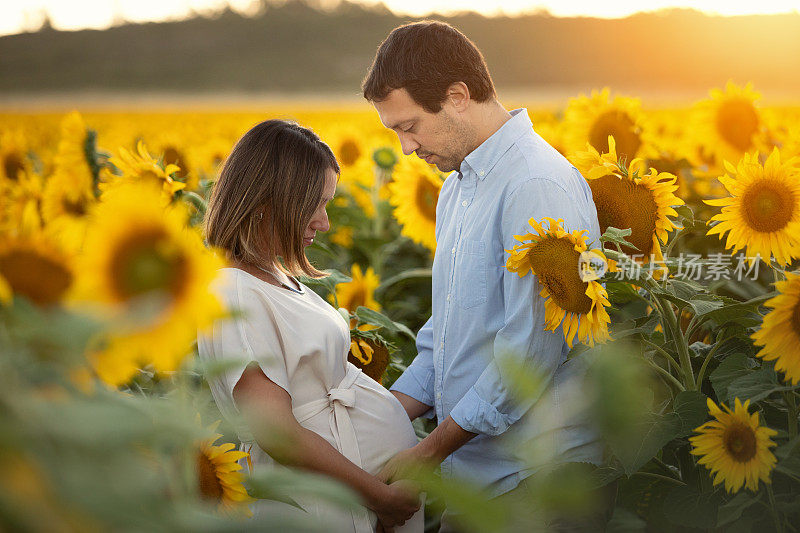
(249,334)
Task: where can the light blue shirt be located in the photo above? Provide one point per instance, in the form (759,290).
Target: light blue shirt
(482,312)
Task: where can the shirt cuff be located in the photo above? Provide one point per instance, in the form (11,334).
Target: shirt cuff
(411,384)
(475,415)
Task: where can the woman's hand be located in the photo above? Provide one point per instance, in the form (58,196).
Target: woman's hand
(395,503)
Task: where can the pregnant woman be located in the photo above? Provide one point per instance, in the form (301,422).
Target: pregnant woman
(302,404)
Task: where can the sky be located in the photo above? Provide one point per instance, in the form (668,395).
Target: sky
(27,15)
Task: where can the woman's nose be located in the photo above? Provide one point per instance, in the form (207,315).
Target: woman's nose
(320,222)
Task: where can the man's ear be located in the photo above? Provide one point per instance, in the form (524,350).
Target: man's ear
(458,96)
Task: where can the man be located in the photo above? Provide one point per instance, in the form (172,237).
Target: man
(430,84)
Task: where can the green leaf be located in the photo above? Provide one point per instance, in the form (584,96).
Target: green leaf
(685,212)
(730,369)
(705,303)
(617,236)
(280,485)
(370,316)
(686,506)
(624,521)
(690,408)
(756,385)
(732,510)
(652,434)
(414,273)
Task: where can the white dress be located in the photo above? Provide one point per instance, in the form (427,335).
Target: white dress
(301,343)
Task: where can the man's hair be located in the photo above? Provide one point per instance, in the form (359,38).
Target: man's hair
(269,188)
(425,58)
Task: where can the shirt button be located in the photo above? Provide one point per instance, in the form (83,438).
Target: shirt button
(441,345)
(448,297)
(439,395)
(453,250)
(481,173)
(464,203)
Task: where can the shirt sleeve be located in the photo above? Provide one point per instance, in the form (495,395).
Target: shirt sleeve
(491,406)
(234,342)
(417,380)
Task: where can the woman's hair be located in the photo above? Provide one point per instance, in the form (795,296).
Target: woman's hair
(269,188)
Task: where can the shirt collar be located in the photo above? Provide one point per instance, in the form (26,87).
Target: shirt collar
(483,158)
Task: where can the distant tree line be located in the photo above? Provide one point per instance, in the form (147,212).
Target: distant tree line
(297,46)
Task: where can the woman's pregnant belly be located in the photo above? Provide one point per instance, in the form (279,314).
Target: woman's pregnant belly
(381,424)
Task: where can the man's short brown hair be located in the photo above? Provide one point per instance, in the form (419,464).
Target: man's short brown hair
(425,58)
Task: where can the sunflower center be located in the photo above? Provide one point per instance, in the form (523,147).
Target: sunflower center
(740,442)
(12,165)
(210,486)
(796,318)
(75,208)
(41,279)
(620,125)
(349,152)
(737,121)
(767,206)
(148,262)
(623,204)
(427,196)
(173,157)
(555,262)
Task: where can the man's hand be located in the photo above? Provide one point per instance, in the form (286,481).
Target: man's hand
(427,454)
(406,464)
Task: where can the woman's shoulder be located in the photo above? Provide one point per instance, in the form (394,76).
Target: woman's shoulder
(236,287)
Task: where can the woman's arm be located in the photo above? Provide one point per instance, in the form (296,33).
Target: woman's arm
(268,410)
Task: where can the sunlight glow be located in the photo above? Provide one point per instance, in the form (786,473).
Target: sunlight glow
(28,15)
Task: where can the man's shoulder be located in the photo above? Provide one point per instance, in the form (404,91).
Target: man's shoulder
(532,159)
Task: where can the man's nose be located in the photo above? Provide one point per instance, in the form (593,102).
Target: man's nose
(408,144)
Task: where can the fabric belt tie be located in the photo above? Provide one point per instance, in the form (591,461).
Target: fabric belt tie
(338,401)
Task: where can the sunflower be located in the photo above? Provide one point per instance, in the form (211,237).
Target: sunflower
(34,267)
(729,123)
(555,257)
(631,198)
(370,355)
(218,476)
(763,212)
(414,191)
(360,291)
(592,119)
(172,152)
(19,209)
(779,335)
(735,447)
(70,191)
(13,156)
(143,167)
(354,156)
(149,271)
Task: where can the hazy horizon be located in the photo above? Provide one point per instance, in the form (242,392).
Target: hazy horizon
(26,16)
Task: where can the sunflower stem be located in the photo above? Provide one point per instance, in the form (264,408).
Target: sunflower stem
(672,379)
(709,355)
(663,352)
(670,324)
(775,516)
(791,408)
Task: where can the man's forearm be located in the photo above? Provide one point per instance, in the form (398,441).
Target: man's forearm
(444,440)
(413,407)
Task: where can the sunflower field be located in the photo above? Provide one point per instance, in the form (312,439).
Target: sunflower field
(686,314)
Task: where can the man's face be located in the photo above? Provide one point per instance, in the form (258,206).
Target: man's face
(438,138)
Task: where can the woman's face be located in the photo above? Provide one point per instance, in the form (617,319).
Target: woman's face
(319,222)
